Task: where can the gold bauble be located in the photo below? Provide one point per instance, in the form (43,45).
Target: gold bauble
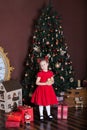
(57,42)
(26,75)
(57,65)
(47,43)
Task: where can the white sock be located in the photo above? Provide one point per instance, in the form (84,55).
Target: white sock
(48,110)
(41,110)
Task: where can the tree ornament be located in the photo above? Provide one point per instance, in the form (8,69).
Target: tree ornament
(57,41)
(62,69)
(56,88)
(68,55)
(31,59)
(36,48)
(43,31)
(30,94)
(48,23)
(53,54)
(66,73)
(43,39)
(48,55)
(69,72)
(38,42)
(60,49)
(60,26)
(59,31)
(56,35)
(32,86)
(47,43)
(66,48)
(36,30)
(51,45)
(57,65)
(50,68)
(62,53)
(40,54)
(53,16)
(26,75)
(57,50)
(52,38)
(66,63)
(56,30)
(48,17)
(51,30)
(71,79)
(61,77)
(34,37)
(52,59)
(48,35)
(27,64)
(70,67)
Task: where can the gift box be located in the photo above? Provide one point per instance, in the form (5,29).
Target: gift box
(14,116)
(62,111)
(59,115)
(26,109)
(12,124)
(65,111)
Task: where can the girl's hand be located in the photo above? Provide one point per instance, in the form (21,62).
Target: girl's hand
(49,82)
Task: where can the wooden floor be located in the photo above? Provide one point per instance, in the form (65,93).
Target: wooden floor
(77,120)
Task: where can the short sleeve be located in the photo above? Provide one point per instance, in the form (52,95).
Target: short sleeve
(39,74)
(51,74)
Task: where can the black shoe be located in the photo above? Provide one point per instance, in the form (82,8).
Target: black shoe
(50,117)
(41,118)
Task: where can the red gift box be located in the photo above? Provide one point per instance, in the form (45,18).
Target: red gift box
(65,111)
(12,124)
(14,116)
(62,112)
(59,115)
(26,109)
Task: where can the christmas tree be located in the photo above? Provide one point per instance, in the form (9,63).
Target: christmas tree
(48,42)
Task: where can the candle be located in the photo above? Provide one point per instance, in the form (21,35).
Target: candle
(79,83)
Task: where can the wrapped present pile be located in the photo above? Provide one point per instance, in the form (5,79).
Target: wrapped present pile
(17,118)
(62,111)
(26,111)
(13,119)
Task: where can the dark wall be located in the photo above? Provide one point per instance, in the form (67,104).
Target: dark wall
(16,21)
(74,24)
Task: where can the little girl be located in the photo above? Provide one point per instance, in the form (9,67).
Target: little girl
(44,95)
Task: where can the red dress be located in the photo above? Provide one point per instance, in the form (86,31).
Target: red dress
(44,95)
